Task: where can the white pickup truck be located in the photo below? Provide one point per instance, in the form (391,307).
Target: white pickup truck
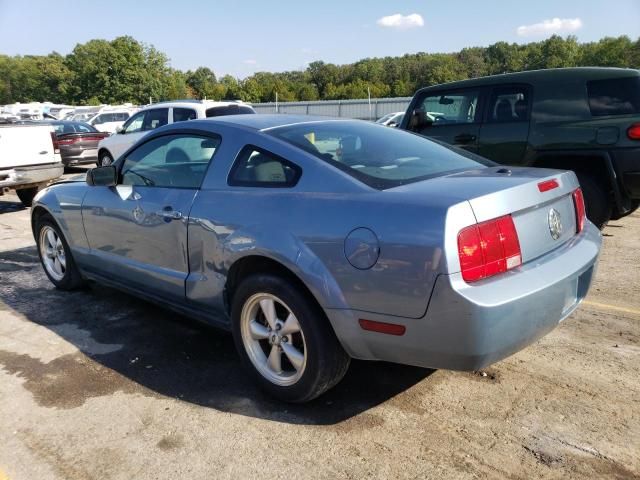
(29,159)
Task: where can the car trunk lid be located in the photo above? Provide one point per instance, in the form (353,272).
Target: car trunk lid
(544,219)
(494,192)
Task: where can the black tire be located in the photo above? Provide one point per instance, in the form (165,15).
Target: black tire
(105,159)
(597,200)
(26,195)
(72,279)
(326,361)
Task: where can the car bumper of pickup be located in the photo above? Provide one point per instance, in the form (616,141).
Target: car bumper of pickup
(28,176)
(467,327)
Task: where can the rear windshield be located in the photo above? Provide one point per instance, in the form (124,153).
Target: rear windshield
(228,110)
(618,96)
(379,156)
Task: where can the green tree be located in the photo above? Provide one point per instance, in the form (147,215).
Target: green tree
(203,82)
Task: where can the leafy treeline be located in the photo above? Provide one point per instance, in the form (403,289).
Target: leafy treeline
(125,70)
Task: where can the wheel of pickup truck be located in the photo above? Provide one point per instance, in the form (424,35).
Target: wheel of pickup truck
(55,256)
(26,195)
(105,159)
(285,340)
(597,200)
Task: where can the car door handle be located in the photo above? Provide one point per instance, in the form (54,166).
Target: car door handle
(169,212)
(464,138)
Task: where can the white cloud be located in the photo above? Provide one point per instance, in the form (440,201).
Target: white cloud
(553,25)
(401,22)
(250,61)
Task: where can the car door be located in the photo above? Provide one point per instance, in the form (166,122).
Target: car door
(137,230)
(137,127)
(504,132)
(451,116)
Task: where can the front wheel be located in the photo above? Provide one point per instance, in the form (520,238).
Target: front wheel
(26,195)
(55,256)
(105,159)
(285,340)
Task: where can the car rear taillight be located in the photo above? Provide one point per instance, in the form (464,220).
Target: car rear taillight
(488,248)
(633,132)
(54,140)
(67,141)
(578,203)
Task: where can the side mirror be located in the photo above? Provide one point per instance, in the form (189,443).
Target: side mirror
(392,124)
(103,176)
(119,129)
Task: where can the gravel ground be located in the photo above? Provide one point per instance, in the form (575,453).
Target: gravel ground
(96,384)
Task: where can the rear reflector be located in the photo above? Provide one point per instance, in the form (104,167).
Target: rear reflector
(633,132)
(578,203)
(488,248)
(548,185)
(54,140)
(382,327)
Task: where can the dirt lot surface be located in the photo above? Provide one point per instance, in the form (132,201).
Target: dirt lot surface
(96,384)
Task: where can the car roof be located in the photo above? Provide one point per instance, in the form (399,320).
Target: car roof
(194,103)
(546,75)
(267,121)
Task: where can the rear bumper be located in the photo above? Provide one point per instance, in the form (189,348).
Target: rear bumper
(79,156)
(468,327)
(24,176)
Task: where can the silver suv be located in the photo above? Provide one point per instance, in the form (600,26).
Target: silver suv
(159,114)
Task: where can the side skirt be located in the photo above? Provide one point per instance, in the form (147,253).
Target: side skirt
(220,322)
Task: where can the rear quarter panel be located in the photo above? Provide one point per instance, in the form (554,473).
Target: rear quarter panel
(305,227)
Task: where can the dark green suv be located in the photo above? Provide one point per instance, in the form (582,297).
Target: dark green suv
(581,119)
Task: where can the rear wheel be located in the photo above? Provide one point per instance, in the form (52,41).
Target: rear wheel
(284,339)
(597,200)
(55,256)
(26,195)
(105,159)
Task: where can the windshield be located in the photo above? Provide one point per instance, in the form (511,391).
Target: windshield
(379,156)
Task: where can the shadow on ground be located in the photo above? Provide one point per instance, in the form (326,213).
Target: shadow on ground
(155,352)
(7,205)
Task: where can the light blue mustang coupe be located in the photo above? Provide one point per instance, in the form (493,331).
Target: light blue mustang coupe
(317,240)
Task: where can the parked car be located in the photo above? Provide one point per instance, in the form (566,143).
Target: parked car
(78,142)
(110,120)
(391,119)
(402,250)
(581,119)
(29,159)
(159,114)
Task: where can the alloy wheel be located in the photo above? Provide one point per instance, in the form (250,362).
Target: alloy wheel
(273,339)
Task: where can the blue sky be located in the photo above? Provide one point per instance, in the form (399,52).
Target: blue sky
(241,37)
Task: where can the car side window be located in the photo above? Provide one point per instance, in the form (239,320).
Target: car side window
(134,124)
(509,104)
(450,108)
(256,167)
(155,118)
(183,114)
(178,161)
